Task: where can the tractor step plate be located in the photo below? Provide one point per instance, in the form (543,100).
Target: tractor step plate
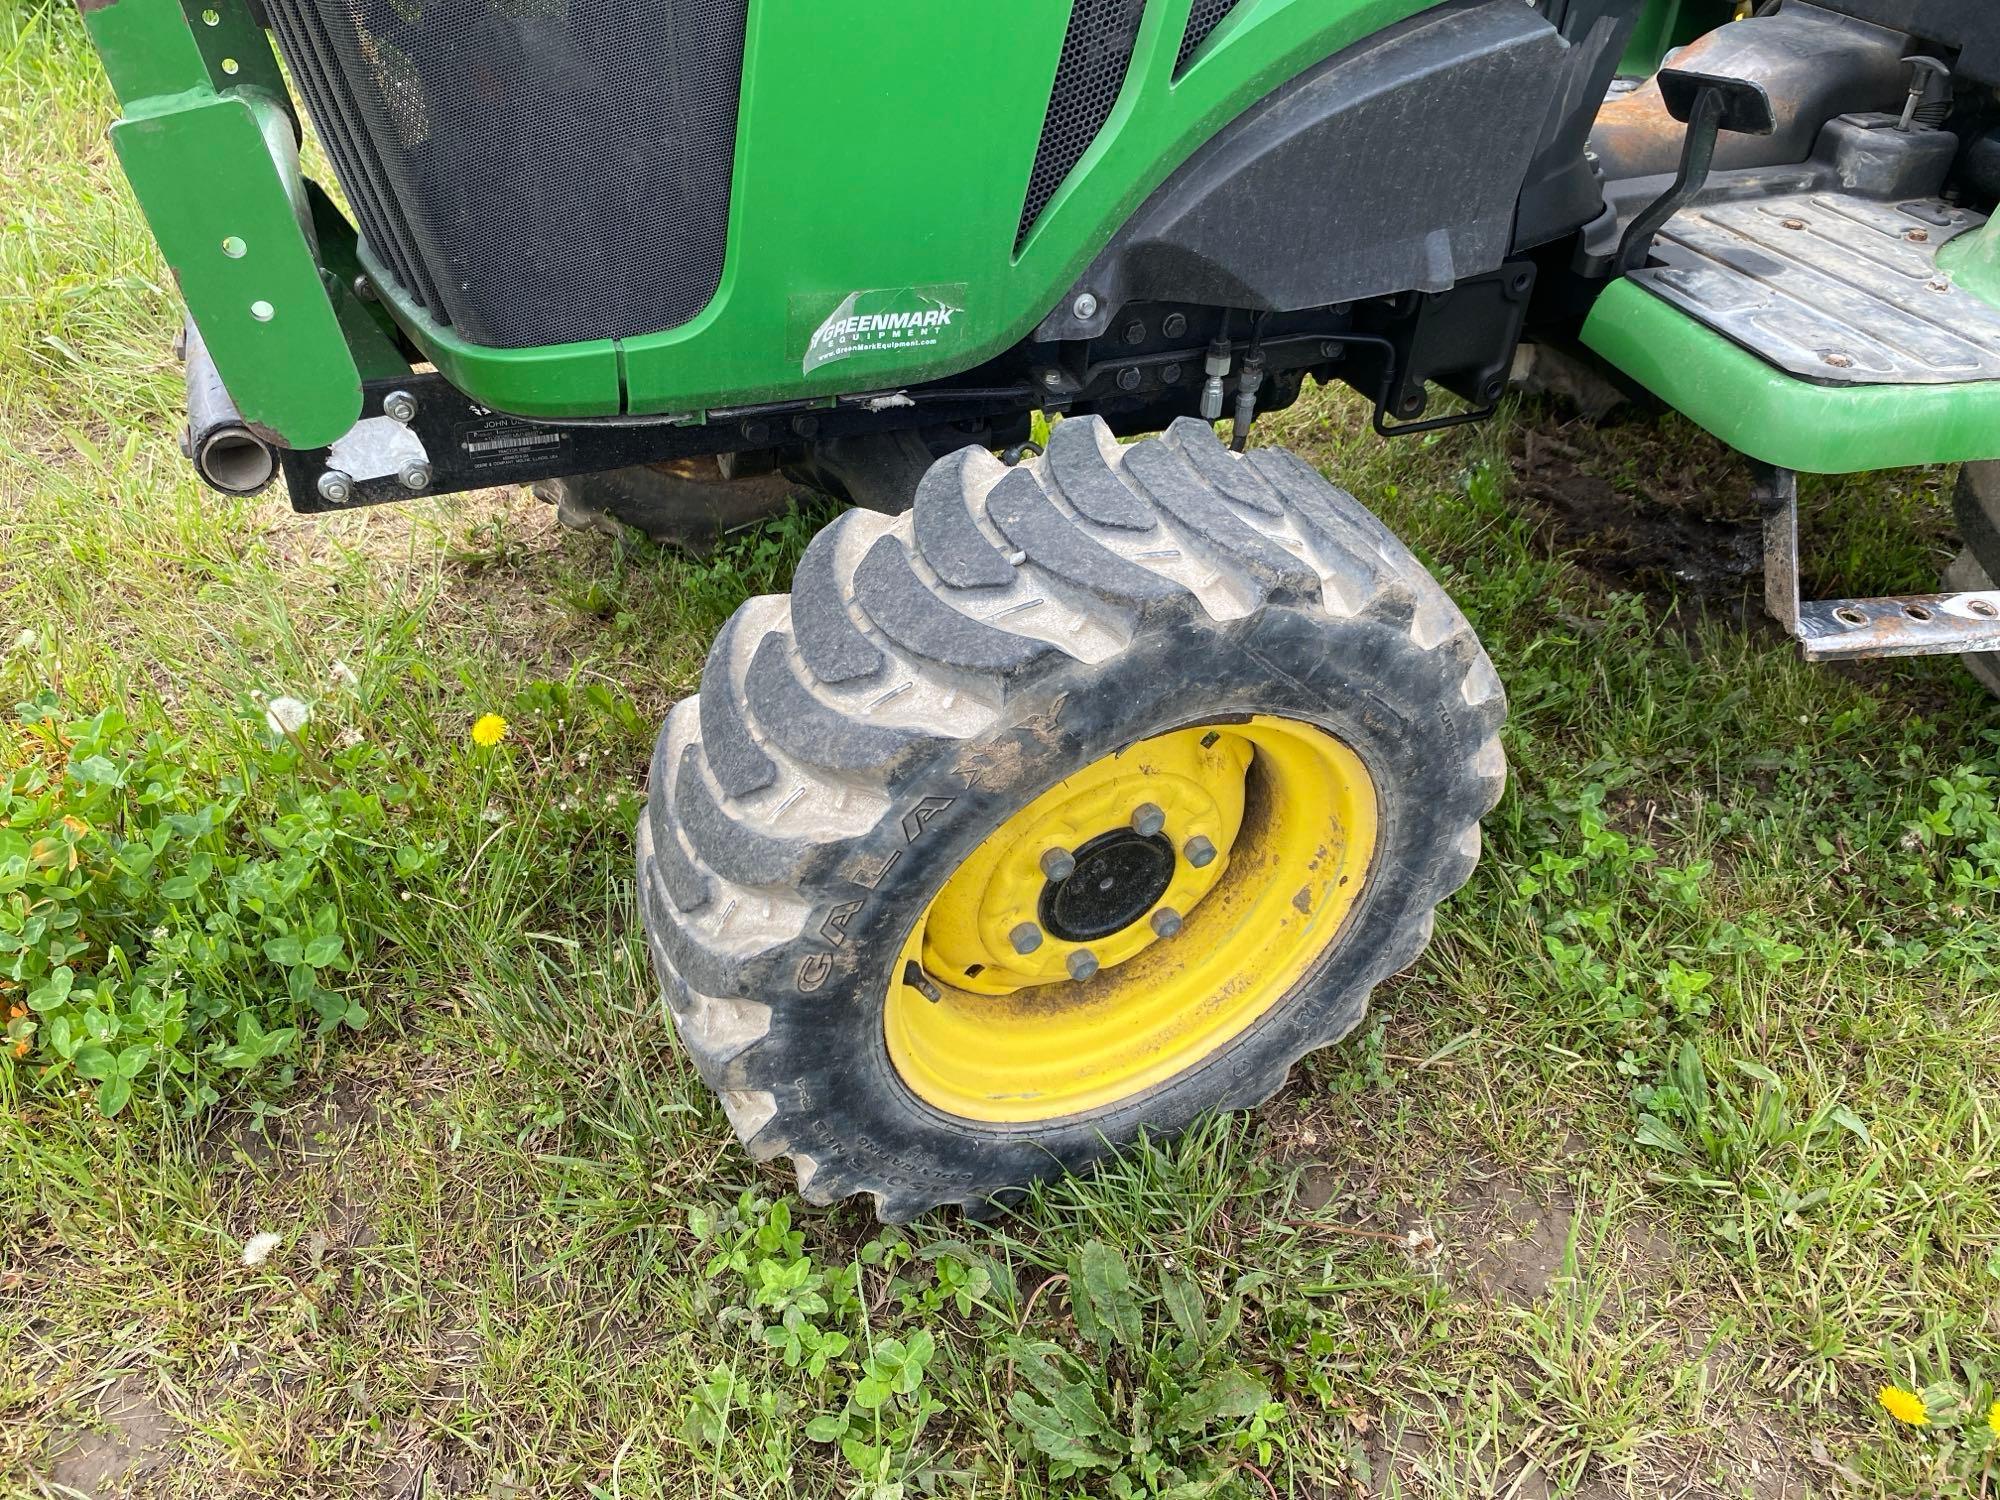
(1835,289)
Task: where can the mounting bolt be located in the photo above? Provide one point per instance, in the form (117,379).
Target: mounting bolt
(1147,819)
(1026,938)
(1082,965)
(335,488)
(1167,922)
(1135,332)
(1199,851)
(806,425)
(364,289)
(416,476)
(1171,375)
(1085,307)
(1058,864)
(400,406)
(1052,378)
(1175,326)
(1129,378)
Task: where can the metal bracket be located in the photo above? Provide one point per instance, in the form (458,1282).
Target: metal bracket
(1853,629)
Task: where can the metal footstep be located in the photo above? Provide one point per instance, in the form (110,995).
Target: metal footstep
(1853,629)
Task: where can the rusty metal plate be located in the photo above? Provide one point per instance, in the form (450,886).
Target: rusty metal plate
(1919,625)
(1836,289)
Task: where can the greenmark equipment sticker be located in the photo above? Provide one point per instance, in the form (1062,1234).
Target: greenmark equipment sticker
(898,320)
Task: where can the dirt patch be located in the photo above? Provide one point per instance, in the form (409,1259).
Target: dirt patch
(1656,534)
(1504,1240)
(131,1439)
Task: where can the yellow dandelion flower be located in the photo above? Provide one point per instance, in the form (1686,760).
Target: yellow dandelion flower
(488,731)
(1905,1406)
(1993,1418)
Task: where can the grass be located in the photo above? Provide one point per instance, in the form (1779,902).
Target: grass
(1676,1148)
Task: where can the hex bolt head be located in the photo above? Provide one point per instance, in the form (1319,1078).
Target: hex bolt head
(1167,922)
(1199,851)
(1052,379)
(399,406)
(335,488)
(364,289)
(1129,378)
(415,476)
(1175,326)
(1135,332)
(1085,307)
(1026,938)
(1082,965)
(1148,819)
(1058,864)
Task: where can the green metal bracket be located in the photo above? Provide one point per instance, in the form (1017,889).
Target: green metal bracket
(210,146)
(1786,422)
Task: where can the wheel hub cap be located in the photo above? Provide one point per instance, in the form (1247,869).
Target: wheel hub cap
(1120,876)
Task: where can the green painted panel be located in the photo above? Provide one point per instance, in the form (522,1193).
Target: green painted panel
(1974,260)
(884,150)
(1768,414)
(210,146)
(1667,24)
(242,260)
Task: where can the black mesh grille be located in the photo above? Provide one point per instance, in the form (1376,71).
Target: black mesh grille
(1096,54)
(534,172)
(1207,15)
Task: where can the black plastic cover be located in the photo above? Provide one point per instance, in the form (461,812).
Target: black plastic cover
(1393,166)
(1972,26)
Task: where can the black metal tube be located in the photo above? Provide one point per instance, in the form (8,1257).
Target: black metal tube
(225,452)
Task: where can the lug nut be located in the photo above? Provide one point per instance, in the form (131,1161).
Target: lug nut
(1166,922)
(335,488)
(1147,820)
(1026,938)
(416,476)
(1058,864)
(1082,965)
(399,406)
(1199,851)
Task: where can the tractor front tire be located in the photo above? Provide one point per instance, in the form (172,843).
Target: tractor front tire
(1083,799)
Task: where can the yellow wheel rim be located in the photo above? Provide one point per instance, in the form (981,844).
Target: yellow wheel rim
(979,1028)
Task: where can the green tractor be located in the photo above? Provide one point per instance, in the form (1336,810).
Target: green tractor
(1078,787)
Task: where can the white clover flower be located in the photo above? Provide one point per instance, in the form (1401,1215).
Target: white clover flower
(340,674)
(28,640)
(257,1249)
(287,715)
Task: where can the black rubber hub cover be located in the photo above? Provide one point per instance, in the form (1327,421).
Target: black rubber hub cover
(1119,877)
